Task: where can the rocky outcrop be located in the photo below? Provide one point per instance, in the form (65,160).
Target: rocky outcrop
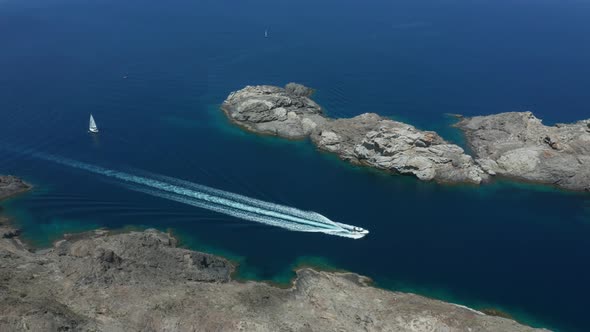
(272,110)
(7,231)
(11,185)
(367,139)
(140,281)
(518,145)
(374,141)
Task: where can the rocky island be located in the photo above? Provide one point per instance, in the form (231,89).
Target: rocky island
(374,141)
(272,110)
(518,145)
(140,281)
(367,139)
(515,145)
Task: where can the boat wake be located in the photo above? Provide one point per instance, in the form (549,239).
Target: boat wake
(220,201)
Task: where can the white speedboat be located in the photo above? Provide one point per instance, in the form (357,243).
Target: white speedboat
(360,230)
(92,125)
(354,232)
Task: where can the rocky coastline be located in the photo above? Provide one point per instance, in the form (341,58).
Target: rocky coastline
(518,145)
(140,281)
(514,145)
(374,141)
(367,139)
(10,186)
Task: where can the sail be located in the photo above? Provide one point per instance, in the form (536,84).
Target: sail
(92,125)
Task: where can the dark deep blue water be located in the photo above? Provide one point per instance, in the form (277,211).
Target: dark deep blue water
(521,248)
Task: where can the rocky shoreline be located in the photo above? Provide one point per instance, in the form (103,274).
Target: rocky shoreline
(10,186)
(371,140)
(140,281)
(518,145)
(514,145)
(367,139)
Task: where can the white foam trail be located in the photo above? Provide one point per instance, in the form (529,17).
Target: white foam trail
(248,200)
(245,215)
(228,211)
(217,200)
(164,186)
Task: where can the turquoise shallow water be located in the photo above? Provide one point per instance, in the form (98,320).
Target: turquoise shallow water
(518,247)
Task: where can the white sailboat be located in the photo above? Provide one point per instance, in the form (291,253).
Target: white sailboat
(92,125)
(266,33)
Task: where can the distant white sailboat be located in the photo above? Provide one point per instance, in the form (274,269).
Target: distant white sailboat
(266,33)
(92,125)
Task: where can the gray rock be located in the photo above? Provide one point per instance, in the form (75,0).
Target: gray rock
(10,185)
(140,281)
(371,140)
(8,232)
(272,110)
(367,139)
(518,145)
(298,90)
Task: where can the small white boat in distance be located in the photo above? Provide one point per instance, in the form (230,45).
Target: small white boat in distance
(266,33)
(92,125)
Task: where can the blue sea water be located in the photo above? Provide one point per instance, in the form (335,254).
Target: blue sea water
(154,73)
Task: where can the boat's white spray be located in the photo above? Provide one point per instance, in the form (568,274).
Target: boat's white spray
(271,221)
(246,200)
(242,214)
(220,201)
